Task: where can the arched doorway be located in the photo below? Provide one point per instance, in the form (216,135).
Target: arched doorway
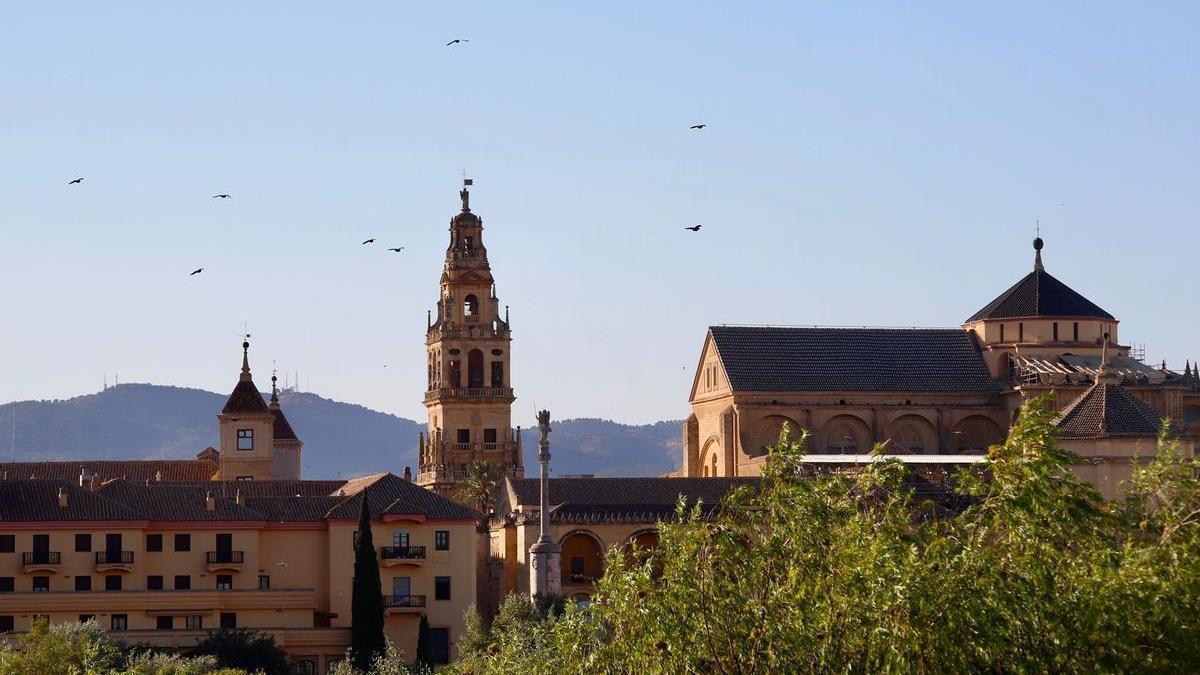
(474,368)
(974,435)
(913,435)
(582,558)
(845,434)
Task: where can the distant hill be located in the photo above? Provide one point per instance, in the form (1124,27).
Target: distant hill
(146,421)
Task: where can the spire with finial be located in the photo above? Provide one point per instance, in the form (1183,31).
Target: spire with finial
(1037,247)
(246,358)
(274,391)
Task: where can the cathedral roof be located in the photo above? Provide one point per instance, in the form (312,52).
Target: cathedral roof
(771,358)
(1107,409)
(1039,294)
(200,469)
(620,499)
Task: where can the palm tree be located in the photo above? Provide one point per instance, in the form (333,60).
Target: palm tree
(480,486)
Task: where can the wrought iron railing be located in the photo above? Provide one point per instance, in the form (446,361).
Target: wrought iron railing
(41,558)
(403,601)
(231,557)
(403,553)
(114,557)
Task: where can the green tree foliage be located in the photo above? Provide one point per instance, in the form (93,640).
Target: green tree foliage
(860,574)
(480,486)
(244,649)
(367,641)
(84,649)
(424,643)
(391,662)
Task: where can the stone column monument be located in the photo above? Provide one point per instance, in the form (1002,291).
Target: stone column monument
(545,561)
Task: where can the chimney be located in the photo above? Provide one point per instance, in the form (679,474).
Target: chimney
(209,502)
(408,474)
(238,497)
(158,476)
(94,483)
(84,476)
(62,498)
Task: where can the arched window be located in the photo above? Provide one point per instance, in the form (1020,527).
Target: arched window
(454,374)
(975,434)
(845,434)
(474,368)
(471,306)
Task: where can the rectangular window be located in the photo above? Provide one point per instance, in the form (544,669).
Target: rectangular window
(441,540)
(1002,332)
(6,623)
(228,620)
(83,582)
(1056,331)
(497,374)
(41,584)
(439,645)
(120,622)
(8,543)
(183,542)
(464,435)
(84,618)
(153,543)
(1075,331)
(7,584)
(1020,332)
(165,623)
(83,542)
(195,622)
(264,582)
(183,582)
(224,582)
(400,538)
(154,582)
(489,435)
(112,582)
(245,439)
(441,588)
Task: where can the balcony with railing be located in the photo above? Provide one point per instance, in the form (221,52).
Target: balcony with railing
(41,561)
(392,556)
(404,603)
(502,393)
(230,561)
(114,561)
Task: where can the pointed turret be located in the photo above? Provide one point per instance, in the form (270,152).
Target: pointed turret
(246,424)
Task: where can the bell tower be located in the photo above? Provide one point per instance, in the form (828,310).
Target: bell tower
(469,393)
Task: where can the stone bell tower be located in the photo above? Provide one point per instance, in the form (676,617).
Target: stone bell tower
(469,393)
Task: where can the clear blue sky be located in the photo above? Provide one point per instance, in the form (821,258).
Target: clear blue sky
(878,165)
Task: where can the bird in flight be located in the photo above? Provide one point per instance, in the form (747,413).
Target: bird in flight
(77,181)
(397,250)
(694,228)
(370,241)
(220,196)
(697,126)
(198,271)
(456,41)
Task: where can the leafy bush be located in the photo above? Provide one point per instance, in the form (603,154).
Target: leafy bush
(247,650)
(860,574)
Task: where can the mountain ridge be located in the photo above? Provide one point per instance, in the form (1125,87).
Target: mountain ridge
(341,439)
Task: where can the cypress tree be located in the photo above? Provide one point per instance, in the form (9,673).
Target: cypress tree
(424,643)
(366,605)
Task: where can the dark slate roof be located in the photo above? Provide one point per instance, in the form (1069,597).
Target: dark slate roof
(293,509)
(268,488)
(765,358)
(135,470)
(245,398)
(390,495)
(283,429)
(37,500)
(1108,410)
(622,499)
(1039,294)
(177,503)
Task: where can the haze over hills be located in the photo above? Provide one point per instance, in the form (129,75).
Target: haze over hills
(146,421)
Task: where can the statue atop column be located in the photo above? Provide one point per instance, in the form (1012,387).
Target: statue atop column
(545,559)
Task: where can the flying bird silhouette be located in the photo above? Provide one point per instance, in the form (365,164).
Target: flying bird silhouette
(456,41)
(397,250)
(694,228)
(370,241)
(77,181)
(196,272)
(220,196)
(697,126)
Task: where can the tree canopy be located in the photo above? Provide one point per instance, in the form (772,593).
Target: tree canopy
(1033,572)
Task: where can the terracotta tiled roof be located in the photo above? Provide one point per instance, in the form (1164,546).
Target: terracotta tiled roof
(1107,410)
(283,429)
(37,500)
(245,399)
(391,495)
(293,509)
(135,470)
(766,358)
(269,488)
(1039,294)
(580,500)
(156,501)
